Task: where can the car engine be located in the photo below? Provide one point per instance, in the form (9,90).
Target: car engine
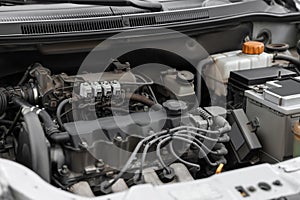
(97,128)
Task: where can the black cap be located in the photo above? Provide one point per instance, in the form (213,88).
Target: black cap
(175,107)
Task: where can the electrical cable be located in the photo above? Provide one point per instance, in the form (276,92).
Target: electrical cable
(148,145)
(208,151)
(107,185)
(180,159)
(201,150)
(185,140)
(145,151)
(158,154)
(225,128)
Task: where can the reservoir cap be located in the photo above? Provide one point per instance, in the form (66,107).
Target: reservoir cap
(175,107)
(253,47)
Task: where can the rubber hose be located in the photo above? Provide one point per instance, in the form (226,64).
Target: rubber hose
(50,126)
(40,161)
(59,110)
(144,100)
(3,101)
(287,58)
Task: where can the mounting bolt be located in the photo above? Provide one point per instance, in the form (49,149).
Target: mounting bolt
(84,145)
(100,164)
(104,187)
(64,170)
(119,138)
(169,173)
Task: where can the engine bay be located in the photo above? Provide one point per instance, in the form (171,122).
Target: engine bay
(103,129)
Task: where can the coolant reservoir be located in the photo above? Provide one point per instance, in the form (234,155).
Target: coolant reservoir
(252,56)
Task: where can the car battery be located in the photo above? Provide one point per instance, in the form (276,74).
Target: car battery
(277,110)
(240,81)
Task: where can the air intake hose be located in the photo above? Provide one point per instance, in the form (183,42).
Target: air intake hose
(34,142)
(27,92)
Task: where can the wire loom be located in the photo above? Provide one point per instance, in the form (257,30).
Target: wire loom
(174,134)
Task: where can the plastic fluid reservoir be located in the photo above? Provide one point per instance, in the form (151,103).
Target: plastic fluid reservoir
(252,56)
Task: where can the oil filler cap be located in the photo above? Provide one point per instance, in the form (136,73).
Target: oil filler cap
(253,47)
(175,107)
